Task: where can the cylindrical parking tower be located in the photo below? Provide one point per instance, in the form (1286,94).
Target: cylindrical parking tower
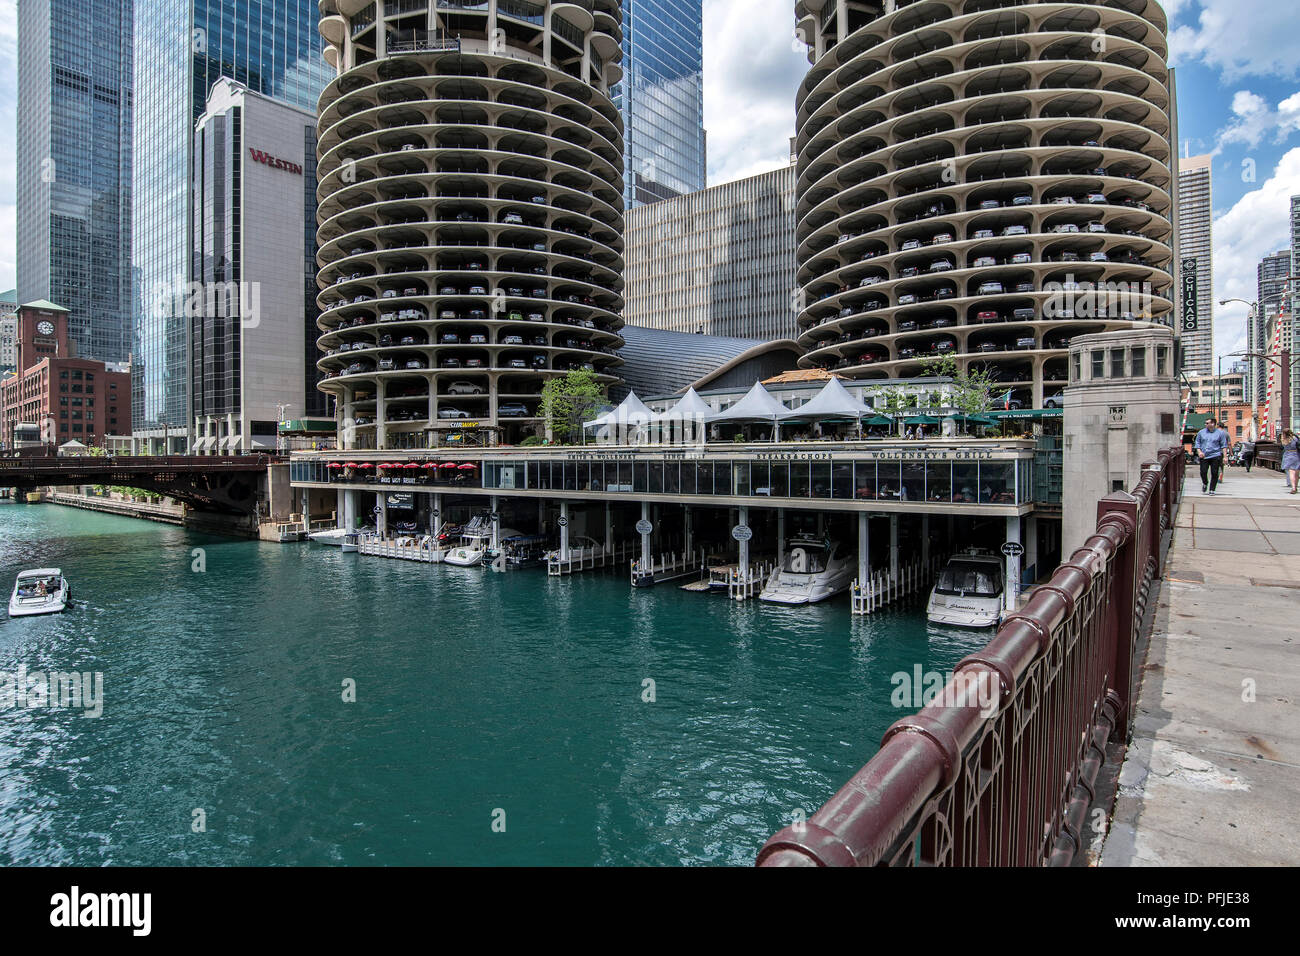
(982,179)
(470,224)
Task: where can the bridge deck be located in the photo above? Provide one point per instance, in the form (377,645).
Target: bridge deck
(1211,774)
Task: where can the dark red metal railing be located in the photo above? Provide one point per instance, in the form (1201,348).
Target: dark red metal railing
(951,786)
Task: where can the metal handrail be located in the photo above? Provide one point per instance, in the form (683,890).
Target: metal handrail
(957,786)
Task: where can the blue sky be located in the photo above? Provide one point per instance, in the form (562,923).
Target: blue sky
(1238,65)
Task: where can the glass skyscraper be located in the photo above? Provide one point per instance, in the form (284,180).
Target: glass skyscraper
(661,97)
(182,47)
(74,167)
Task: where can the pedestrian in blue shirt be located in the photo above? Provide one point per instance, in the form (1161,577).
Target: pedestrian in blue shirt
(1211,442)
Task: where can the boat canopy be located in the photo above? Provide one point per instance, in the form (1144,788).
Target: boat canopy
(833,401)
(40,573)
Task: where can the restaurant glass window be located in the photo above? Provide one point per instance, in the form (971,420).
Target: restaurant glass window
(842,480)
(582,475)
(534,475)
(740,478)
(780,479)
(799,475)
(722,478)
(938,481)
(672,478)
(655,470)
(640,477)
(624,477)
(864,480)
(1024,484)
(888,480)
(704,477)
(997,482)
(598,470)
(570,478)
(913,481)
(760,478)
(965,482)
(821,479)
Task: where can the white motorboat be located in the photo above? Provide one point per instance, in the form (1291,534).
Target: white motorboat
(968,592)
(335,537)
(475,540)
(39,591)
(813,570)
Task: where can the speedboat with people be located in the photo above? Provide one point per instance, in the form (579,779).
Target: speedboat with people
(475,540)
(813,570)
(39,591)
(968,592)
(522,551)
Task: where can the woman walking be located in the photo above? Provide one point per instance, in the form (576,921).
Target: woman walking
(1248,454)
(1291,457)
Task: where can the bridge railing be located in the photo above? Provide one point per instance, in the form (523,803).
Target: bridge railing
(82,463)
(1004,778)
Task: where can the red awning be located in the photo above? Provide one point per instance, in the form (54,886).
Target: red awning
(365,465)
(350,464)
(468,466)
(410,464)
(429,464)
(448,464)
(334,464)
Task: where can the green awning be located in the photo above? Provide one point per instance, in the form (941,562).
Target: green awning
(310,425)
(878,420)
(921,420)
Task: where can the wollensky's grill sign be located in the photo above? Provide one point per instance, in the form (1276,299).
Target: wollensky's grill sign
(274,163)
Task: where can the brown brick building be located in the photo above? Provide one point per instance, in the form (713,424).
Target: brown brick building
(63,396)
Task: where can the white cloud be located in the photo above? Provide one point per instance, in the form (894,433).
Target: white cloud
(1256,38)
(1258,224)
(751,72)
(1253,119)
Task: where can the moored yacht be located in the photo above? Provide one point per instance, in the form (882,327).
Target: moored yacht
(475,540)
(39,591)
(813,570)
(968,592)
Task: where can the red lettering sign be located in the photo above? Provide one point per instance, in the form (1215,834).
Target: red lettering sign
(274,163)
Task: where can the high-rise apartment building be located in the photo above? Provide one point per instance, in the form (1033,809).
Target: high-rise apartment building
(718,261)
(74,166)
(661,97)
(1271,275)
(471,217)
(182,47)
(253,348)
(964,188)
(1195,250)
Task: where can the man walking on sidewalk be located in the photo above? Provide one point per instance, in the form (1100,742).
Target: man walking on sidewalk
(1210,444)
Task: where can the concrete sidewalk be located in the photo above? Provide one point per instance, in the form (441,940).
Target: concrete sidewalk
(1211,775)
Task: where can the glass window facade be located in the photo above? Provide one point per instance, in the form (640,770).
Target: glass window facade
(181,48)
(74,167)
(661,97)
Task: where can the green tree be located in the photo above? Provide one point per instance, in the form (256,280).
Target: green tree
(972,389)
(568,401)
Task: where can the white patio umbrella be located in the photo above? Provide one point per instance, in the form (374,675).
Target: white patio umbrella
(758,405)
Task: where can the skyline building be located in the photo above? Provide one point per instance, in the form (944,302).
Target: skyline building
(984,185)
(719,261)
(1271,275)
(1196,245)
(74,167)
(471,217)
(661,97)
(182,47)
(253,351)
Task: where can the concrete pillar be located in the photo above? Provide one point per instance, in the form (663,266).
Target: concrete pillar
(381,416)
(780,536)
(306,509)
(1031,545)
(350,510)
(341,508)
(435,516)
(496,523)
(609,530)
(381,521)
(1012,590)
(647,562)
(864,547)
(686,529)
(893,547)
(564,530)
(744,545)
